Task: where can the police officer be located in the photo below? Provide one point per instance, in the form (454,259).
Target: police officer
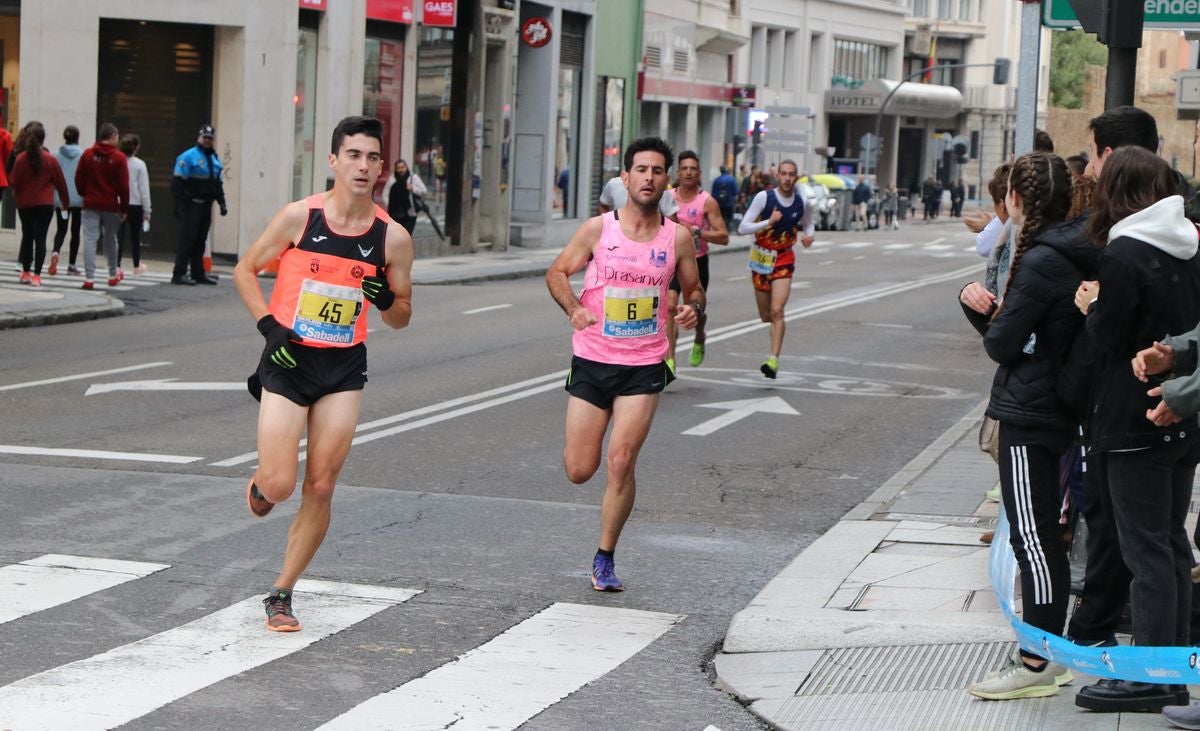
(195,185)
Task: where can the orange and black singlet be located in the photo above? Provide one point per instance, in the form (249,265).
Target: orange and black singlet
(318,291)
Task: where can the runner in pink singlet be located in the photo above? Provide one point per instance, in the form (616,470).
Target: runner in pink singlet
(626,289)
(701,216)
(619,342)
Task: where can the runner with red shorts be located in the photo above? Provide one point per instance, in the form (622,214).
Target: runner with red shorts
(772,259)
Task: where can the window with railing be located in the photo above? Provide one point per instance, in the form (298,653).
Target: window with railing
(857,62)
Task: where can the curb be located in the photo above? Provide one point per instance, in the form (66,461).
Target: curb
(113,308)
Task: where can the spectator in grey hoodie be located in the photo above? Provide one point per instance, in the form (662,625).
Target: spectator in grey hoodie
(68,210)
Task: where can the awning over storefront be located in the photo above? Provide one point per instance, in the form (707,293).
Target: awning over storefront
(912,100)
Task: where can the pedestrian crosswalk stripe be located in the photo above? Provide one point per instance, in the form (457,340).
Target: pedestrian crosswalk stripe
(125,683)
(508,680)
(897,247)
(47,581)
(73,281)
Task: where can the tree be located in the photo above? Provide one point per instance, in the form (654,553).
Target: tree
(1071,52)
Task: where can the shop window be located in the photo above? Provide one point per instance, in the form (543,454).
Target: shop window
(434,72)
(383,84)
(566,143)
(305,103)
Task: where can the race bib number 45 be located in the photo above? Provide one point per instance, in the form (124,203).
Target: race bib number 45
(630,312)
(762,261)
(327,312)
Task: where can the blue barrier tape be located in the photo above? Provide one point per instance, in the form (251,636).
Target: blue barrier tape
(1146,664)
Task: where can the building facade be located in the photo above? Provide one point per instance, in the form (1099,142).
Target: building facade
(274,77)
(969,32)
(688,80)
(554,96)
(833,58)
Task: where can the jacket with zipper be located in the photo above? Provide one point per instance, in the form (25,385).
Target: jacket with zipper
(1149,288)
(1031,334)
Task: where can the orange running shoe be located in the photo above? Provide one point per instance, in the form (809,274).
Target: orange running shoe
(258,504)
(279,611)
(35,281)
(53,264)
(26,277)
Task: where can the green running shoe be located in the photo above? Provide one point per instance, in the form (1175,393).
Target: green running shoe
(770,367)
(697,356)
(670,365)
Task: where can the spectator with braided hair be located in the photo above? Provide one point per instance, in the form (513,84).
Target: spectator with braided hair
(1028,336)
(1150,278)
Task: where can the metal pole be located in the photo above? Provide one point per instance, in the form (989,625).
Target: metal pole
(1027,77)
(982,137)
(1119,84)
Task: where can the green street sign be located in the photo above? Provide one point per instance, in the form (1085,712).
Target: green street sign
(1160,14)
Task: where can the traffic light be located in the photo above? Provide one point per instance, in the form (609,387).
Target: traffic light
(960,150)
(1000,71)
(756,135)
(1121,23)
(739,144)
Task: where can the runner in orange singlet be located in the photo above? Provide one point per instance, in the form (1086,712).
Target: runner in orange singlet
(338,254)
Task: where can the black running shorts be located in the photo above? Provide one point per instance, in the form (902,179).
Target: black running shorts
(702,267)
(319,372)
(601,383)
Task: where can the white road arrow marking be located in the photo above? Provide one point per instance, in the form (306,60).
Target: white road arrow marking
(165,384)
(738,410)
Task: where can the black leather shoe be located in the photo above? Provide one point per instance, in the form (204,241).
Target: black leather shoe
(1126,696)
(204,280)
(185,279)
(1182,696)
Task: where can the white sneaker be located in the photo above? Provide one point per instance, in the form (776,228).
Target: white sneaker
(140,269)
(1014,680)
(1062,673)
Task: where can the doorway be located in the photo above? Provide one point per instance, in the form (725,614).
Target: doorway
(155,80)
(909,155)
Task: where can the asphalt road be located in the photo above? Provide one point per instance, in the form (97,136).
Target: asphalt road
(456,488)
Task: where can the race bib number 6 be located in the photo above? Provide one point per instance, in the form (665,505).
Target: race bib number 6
(327,312)
(762,261)
(630,312)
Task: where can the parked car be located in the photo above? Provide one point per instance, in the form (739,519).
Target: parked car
(830,191)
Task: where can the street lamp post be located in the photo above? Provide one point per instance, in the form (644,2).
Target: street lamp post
(1000,77)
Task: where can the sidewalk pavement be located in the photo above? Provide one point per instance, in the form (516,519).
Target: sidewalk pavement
(883,622)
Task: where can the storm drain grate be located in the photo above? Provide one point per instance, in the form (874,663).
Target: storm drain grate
(915,687)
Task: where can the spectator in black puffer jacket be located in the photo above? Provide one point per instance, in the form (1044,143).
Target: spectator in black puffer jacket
(1029,335)
(1150,282)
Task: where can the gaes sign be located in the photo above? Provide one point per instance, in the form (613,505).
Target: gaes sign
(440,13)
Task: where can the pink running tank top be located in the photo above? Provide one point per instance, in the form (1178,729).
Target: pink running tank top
(625,287)
(692,214)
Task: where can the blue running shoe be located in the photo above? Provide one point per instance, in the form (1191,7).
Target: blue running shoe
(603,576)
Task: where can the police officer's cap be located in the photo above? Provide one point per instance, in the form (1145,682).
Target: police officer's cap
(208,131)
